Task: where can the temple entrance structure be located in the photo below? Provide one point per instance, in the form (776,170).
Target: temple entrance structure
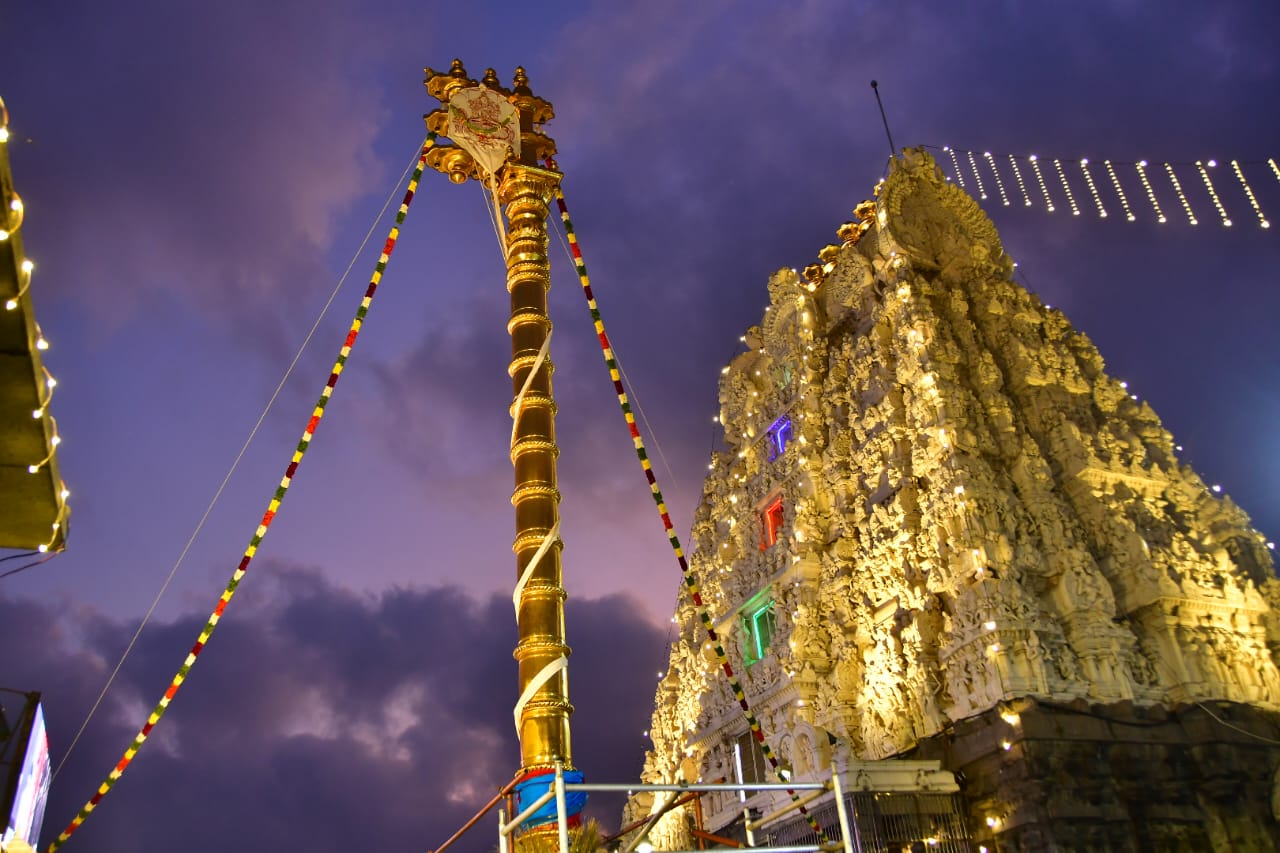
(939,532)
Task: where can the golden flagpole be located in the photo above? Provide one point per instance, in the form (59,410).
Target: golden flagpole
(525,190)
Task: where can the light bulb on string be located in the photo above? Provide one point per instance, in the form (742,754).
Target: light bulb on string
(1093,188)
(53,444)
(1044,188)
(1151,193)
(1177,187)
(1124,200)
(956,163)
(973,164)
(1213,194)
(1071,199)
(999,183)
(49,384)
(27,268)
(15,204)
(1017,173)
(1275,170)
(1248,191)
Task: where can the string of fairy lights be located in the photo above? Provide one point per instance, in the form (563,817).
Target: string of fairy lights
(1054,178)
(14,214)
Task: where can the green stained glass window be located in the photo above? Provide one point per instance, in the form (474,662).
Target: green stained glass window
(759,624)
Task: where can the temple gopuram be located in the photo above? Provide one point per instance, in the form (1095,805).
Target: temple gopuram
(952,559)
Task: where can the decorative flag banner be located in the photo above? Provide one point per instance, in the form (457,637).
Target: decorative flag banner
(485,125)
(690,580)
(273,507)
(1146,175)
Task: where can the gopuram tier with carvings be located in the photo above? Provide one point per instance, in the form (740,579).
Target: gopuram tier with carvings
(943,547)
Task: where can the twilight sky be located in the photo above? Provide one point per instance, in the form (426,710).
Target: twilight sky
(196,180)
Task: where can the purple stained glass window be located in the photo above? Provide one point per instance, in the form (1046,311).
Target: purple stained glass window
(778,435)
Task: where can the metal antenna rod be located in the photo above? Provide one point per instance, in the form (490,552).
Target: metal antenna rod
(876,88)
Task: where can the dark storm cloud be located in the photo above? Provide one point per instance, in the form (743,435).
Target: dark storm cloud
(209,158)
(318,718)
(450,387)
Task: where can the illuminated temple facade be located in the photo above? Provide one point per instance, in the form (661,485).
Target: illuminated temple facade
(943,546)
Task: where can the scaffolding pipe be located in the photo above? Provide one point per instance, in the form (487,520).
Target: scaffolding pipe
(798,848)
(841,812)
(650,823)
(787,809)
(506,789)
(562,818)
(636,824)
(742,795)
(700,786)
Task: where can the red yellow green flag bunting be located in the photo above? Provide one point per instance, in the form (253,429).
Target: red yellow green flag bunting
(690,580)
(272,507)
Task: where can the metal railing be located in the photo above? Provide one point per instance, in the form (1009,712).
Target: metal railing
(640,843)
